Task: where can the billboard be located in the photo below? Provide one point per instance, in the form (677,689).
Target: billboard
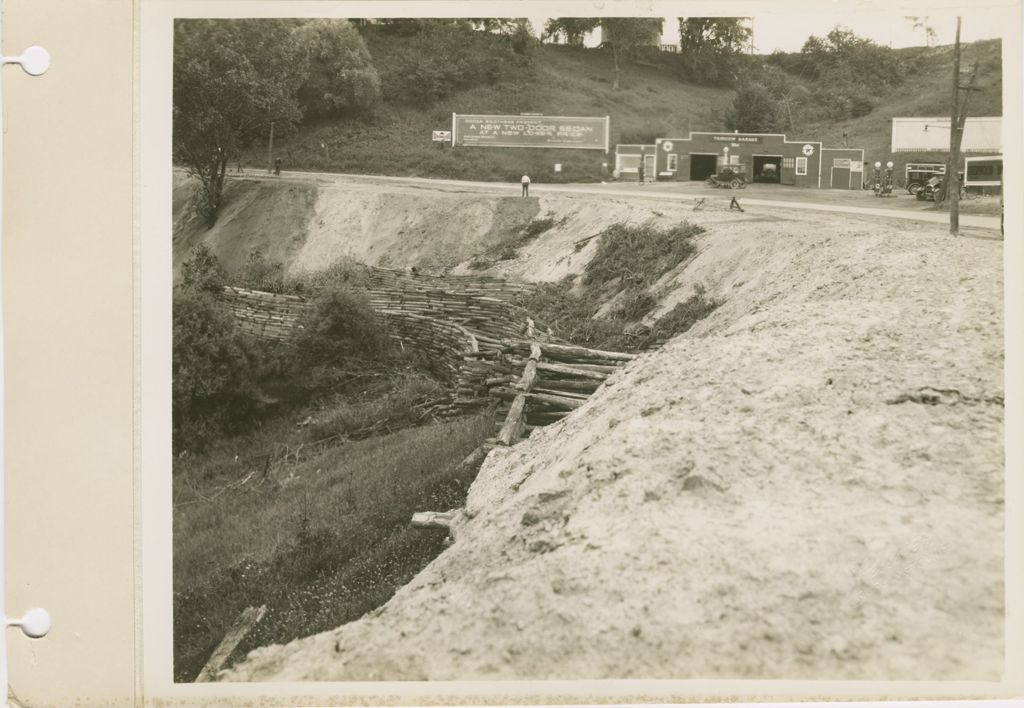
(581,133)
(932,134)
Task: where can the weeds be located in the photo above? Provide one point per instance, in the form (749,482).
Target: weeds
(509,249)
(322,550)
(628,261)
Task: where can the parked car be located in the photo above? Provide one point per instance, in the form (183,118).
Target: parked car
(927,192)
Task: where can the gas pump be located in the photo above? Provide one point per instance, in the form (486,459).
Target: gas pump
(876,180)
(887,187)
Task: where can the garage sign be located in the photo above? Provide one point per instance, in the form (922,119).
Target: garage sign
(441,136)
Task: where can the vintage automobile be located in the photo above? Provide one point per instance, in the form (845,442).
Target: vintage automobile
(727,178)
(927,192)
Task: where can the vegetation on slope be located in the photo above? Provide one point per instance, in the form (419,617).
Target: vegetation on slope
(650,102)
(323,541)
(923,91)
(838,84)
(628,261)
(298,466)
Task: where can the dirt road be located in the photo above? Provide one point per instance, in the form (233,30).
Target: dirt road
(855,202)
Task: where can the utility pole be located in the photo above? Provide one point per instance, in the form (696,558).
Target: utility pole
(958,122)
(952,183)
(270,150)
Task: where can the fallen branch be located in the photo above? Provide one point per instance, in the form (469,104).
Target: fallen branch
(245,622)
(434,519)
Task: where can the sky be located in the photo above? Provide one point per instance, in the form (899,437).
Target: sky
(789,32)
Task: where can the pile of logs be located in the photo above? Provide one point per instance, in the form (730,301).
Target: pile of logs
(266,315)
(472,335)
(539,383)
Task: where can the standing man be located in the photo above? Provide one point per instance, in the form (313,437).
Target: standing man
(641,170)
(526,185)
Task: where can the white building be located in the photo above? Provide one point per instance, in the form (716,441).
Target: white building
(981,135)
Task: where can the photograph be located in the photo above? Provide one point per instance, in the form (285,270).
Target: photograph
(582,348)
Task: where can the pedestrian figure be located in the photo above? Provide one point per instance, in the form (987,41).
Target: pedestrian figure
(526,185)
(641,170)
(277,166)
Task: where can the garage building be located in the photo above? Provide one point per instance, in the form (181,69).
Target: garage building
(760,157)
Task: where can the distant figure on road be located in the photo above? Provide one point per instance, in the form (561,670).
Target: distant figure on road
(640,171)
(277,166)
(526,185)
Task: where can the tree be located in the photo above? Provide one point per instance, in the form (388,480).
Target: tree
(711,47)
(340,76)
(231,79)
(625,33)
(753,111)
(215,370)
(574,30)
(844,52)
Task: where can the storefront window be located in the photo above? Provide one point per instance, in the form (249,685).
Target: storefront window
(673,162)
(801,165)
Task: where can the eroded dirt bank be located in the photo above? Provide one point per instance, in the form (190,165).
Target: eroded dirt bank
(807,484)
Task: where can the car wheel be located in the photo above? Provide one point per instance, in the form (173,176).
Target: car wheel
(914,187)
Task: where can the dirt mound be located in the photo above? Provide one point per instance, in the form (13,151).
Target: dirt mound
(807,484)
(407,228)
(267,217)
(309,225)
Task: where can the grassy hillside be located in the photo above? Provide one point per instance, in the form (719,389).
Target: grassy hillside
(562,81)
(925,92)
(653,102)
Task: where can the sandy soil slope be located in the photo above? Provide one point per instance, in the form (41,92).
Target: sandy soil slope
(258,216)
(396,228)
(808,484)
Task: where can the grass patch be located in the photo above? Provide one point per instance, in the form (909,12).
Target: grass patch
(327,544)
(509,249)
(636,256)
(628,261)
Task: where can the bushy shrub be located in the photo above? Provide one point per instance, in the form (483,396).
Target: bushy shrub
(638,255)
(754,110)
(262,274)
(341,337)
(202,272)
(341,78)
(681,317)
(216,371)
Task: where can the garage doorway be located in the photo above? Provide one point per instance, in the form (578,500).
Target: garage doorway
(767,168)
(650,173)
(703,165)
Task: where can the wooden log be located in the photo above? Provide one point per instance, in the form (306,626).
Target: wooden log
(557,351)
(586,385)
(565,394)
(245,622)
(434,519)
(512,428)
(566,369)
(529,376)
(557,400)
